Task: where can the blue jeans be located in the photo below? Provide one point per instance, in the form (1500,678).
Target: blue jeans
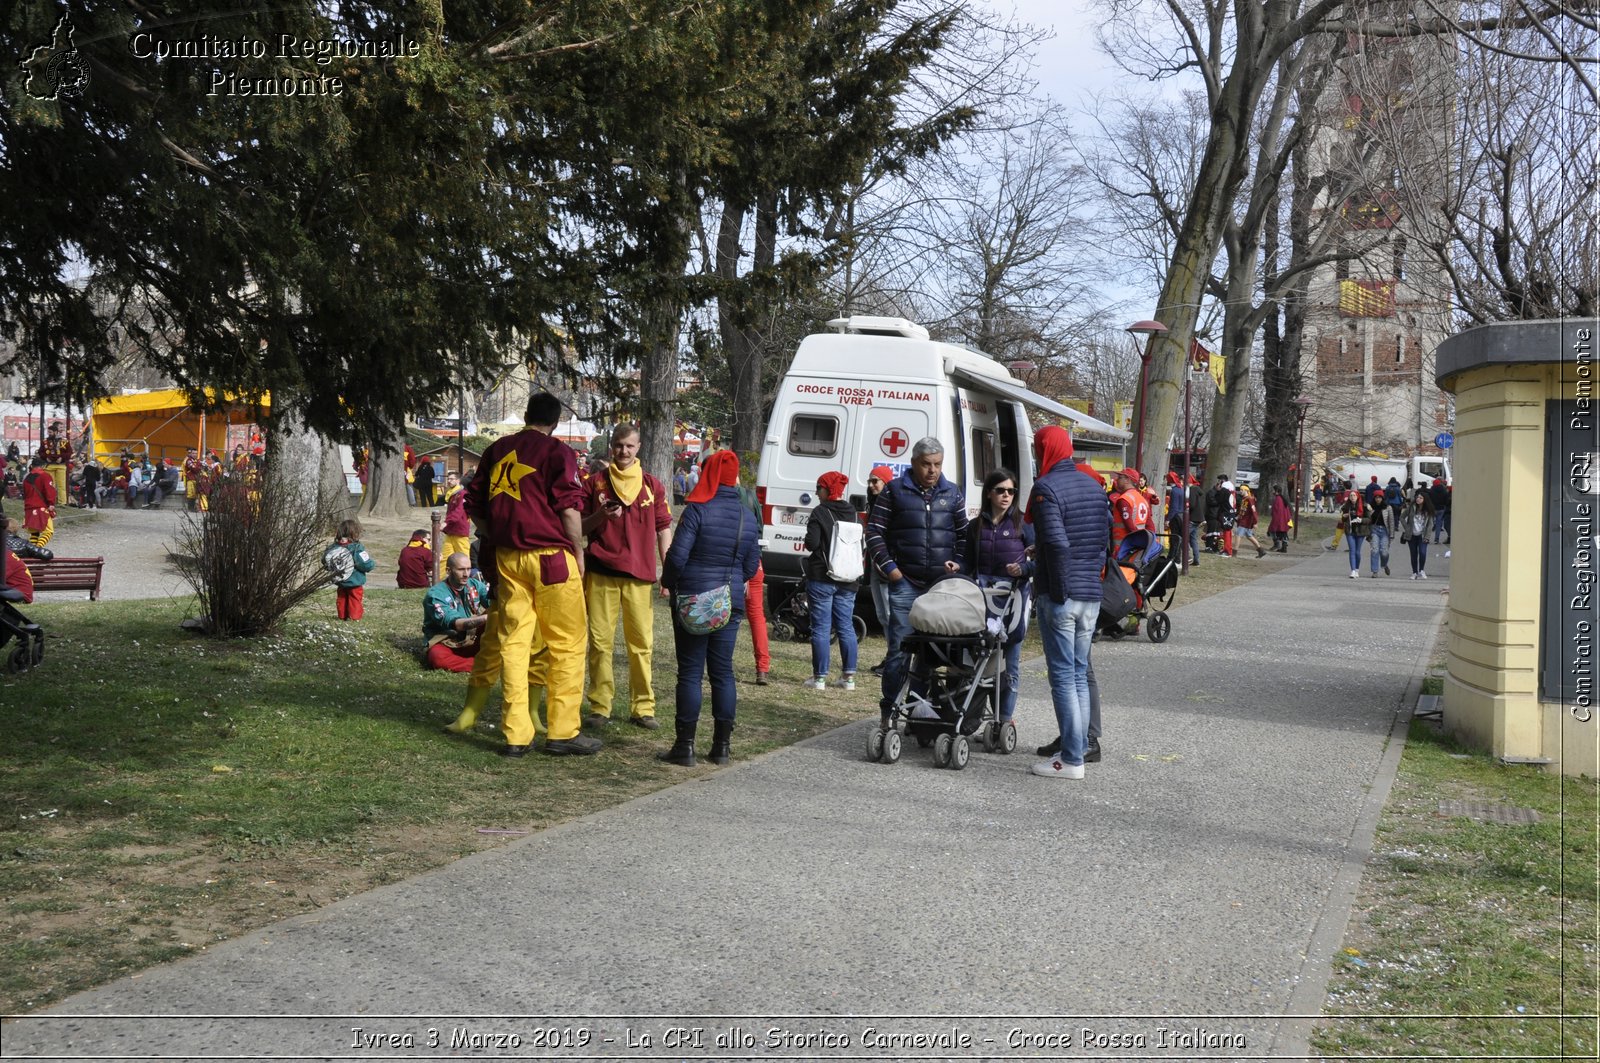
(1441,523)
(1380,547)
(901,596)
(1067,631)
(1010,682)
(1419,553)
(832,609)
(1353,543)
(696,655)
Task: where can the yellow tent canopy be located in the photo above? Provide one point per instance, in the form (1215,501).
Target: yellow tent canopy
(162,424)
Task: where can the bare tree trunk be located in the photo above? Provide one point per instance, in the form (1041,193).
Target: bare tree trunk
(295,449)
(658,389)
(1280,373)
(333,490)
(385,497)
(738,311)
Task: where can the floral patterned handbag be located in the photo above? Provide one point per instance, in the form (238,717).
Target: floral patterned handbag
(708,611)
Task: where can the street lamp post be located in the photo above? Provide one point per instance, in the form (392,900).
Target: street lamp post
(1149,330)
(1188,457)
(1301,404)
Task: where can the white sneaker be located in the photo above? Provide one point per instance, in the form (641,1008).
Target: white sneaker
(819,682)
(1055,768)
(1355,573)
(1422,575)
(849,682)
(1413,575)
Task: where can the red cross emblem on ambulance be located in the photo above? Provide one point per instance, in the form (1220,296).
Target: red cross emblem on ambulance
(894,442)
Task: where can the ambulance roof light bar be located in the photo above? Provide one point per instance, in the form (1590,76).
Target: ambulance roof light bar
(864,325)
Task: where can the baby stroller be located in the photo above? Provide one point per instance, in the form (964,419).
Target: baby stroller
(791,617)
(956,657)
(21,640)
(1155,584)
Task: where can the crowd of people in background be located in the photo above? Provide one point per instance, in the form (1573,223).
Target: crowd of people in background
(581,543)
(1380,515)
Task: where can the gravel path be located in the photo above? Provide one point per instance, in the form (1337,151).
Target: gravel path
(136,544)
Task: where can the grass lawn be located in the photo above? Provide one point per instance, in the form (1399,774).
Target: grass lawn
(1490,921)
(161,791)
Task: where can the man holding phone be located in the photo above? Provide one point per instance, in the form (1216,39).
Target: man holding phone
(627,517)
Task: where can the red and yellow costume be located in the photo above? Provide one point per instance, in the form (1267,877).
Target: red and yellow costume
(193,471)
(39,499)
(57,455)
(18,578)
(524,497)
(619,576)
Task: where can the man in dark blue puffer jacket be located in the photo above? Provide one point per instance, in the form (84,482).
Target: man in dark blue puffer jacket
(915,536)
(1072,528)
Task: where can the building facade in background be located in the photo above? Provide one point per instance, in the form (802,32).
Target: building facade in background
(1377,314)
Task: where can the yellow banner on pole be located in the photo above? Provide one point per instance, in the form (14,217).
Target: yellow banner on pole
(1219,370)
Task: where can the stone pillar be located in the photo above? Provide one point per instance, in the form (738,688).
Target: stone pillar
(1504,377)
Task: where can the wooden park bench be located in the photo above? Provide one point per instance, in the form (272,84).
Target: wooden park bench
(67,574)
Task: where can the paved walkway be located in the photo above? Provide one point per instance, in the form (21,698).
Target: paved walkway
(1190,893)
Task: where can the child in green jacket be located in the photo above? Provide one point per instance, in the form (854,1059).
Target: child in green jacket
(352,582)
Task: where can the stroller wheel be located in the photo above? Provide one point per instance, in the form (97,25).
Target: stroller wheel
(891,747)
(1160,627)
(960,752)
(1005,737)
(941,751)
(20,661)
(781,631)
(875,744)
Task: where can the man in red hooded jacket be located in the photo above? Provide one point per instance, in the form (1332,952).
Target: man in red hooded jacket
(1071,521)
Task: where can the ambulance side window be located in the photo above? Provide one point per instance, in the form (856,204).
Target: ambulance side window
(814,435)
(982,453)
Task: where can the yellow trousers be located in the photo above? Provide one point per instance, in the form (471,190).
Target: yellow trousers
(525,609)
(453,544)
(58,473)
(605,596)
(43,536)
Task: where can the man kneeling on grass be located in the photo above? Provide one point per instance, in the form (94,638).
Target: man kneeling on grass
(454,612)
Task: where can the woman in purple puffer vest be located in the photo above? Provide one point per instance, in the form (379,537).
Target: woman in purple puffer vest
(997,549)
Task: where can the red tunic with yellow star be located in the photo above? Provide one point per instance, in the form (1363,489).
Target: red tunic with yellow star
(55,451)
(522,484)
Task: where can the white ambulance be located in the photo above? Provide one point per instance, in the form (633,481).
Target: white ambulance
(862,395)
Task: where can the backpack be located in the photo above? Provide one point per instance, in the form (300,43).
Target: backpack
(1117,597)
(844,552)
(339,563)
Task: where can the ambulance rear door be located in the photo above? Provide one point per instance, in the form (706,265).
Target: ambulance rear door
(887,429)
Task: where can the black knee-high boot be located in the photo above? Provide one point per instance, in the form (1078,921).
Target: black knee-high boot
(682,751)
(721,732)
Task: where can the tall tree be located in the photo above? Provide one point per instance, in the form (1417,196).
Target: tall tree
(1235,48)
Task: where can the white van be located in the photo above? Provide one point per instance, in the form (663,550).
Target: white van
(1419,469)
(859,397)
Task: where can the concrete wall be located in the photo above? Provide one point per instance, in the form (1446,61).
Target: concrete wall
(1491,696)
